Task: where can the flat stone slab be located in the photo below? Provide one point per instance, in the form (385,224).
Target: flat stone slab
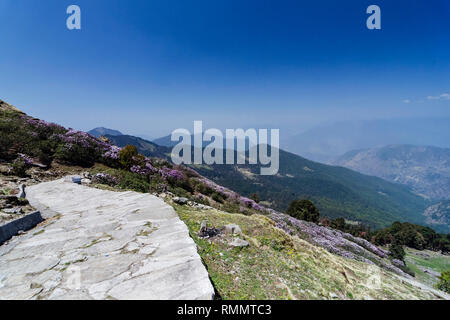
(98,244)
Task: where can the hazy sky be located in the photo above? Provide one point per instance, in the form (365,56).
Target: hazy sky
(147,67)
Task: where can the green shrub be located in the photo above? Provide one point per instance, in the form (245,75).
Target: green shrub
(216,196)
(303,210)
(255,197)
(133,181)
(204,189)
(20,166)
(396,250)
(127,156)
(444,281)
(76,155)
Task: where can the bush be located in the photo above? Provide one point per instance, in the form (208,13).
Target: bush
(133,181)
(218,197)
(21,165)
(77,148)
(444,281)
(127,156)
(75,155)
(396,250)
(303,210)
(106,179)
(204,189)
(255,197)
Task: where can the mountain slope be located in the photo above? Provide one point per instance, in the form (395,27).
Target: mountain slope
(165,141)
(147,148)
(438,215)
(337,191)
(423,168)
(325,143)
(101,131)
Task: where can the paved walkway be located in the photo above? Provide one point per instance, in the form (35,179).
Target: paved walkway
(100,244)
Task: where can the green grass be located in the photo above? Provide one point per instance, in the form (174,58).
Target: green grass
(278,266)
(436,262)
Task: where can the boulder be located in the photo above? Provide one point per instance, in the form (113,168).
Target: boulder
(232,229)
(239,243)
(86,181)
(398,263)
(180,200)
(206,232)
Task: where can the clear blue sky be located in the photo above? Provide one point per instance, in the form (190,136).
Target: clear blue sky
(147,67)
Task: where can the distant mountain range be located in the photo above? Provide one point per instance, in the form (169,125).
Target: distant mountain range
(337,191)
(423,168)
(165,141)
(100,131)
(327,142)
(439,215)
(145,147)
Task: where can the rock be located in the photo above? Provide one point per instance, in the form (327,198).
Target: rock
(398,263)
(180,200)
(206,232)
(96,249)
(86,175)
(8,201)
(86,181)
(22,194)
(232,229)
(333,295)
(239,243)
(39,165)
(16,210)
(203,225)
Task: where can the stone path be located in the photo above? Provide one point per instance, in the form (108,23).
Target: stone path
(98,244)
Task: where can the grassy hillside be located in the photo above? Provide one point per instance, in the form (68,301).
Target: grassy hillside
(278,266)
(427,265)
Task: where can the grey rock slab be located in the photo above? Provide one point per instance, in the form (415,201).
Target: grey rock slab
(239,243)
(99,244)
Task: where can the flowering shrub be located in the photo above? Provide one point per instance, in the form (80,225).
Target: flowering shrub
(42,129)
(110,156)
(104,178)
(20,165)
(335,241)
(143,170)
(78,148)
(171,175)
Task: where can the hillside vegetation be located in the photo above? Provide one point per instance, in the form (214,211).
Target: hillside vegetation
(276,265)
(337,192)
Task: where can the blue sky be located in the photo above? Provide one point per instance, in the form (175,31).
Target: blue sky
(148,67)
